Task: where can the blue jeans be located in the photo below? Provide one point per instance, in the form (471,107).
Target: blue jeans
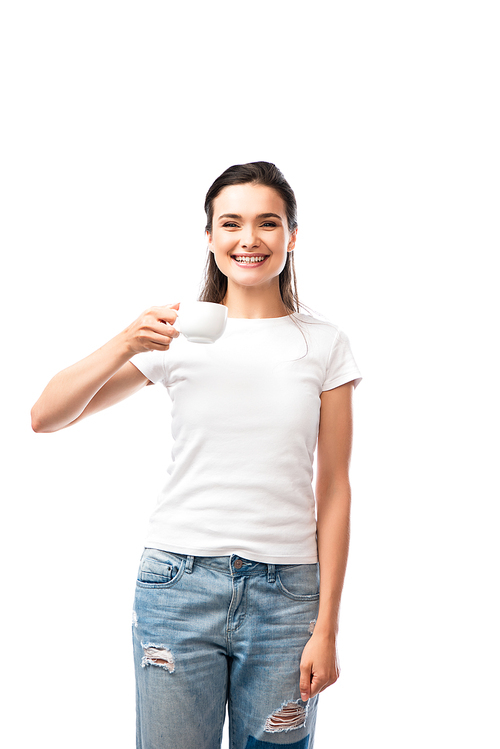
(214,630)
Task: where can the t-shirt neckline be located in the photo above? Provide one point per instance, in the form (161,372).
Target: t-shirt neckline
(261,319)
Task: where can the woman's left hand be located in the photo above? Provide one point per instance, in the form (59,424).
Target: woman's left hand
(319,666)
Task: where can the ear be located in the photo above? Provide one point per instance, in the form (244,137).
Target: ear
(292,240)
(209,240)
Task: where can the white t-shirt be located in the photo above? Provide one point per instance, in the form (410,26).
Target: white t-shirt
(245,417)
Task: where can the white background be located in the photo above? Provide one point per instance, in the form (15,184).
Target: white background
(384,117)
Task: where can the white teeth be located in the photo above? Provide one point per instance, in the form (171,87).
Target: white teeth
(248,260)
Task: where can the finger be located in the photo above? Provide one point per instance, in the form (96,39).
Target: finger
(167,313)
(160,340)
(317,686)
(305,682)
(165,329)
(158,345)
(151,338)
(154,324)
(320,686)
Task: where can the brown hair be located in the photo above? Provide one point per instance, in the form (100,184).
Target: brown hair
(214,283)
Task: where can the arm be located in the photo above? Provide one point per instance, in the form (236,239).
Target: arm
(319,664)
(106,376)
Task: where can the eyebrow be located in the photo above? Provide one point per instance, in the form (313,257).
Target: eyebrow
(260,216)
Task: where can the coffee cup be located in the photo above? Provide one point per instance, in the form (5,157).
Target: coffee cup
(201,322)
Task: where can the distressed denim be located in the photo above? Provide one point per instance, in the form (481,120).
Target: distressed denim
(211,631)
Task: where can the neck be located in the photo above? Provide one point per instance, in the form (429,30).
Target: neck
(254,303)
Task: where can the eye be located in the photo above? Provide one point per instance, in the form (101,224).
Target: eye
(229,224)
(269,223)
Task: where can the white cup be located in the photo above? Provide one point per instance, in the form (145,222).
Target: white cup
(201,322)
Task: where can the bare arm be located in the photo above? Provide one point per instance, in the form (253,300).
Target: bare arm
(333,498)
(106,376)
(319,665)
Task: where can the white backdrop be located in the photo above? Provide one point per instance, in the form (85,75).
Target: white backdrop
(384,117)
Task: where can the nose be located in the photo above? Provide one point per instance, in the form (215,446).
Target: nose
(249,239)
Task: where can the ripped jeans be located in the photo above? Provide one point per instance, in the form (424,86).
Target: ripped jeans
(211,631)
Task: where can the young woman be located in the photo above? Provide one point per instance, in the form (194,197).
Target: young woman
(230,606)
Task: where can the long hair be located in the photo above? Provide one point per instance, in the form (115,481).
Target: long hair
(214,282)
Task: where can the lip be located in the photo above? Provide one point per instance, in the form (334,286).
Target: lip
(248,254)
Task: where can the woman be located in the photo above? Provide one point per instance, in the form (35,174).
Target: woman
(230,606)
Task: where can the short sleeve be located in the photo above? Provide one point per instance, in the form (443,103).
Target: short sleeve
(341,366)
(151,364)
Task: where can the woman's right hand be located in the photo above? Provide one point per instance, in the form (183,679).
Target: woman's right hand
(152,330)
(106,376)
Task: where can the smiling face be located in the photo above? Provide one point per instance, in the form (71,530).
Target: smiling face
(250,237)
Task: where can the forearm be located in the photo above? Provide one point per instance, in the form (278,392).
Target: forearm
(333,528)
(70,391)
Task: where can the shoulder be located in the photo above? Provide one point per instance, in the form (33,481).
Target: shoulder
(319,328)
(317,321)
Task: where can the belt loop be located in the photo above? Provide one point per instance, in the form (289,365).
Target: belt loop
(189,564)
(271,573)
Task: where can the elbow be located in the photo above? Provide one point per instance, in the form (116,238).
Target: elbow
(38,424)
(47,424)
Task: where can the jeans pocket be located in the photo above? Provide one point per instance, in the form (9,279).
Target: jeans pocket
(300,582)
(159,569)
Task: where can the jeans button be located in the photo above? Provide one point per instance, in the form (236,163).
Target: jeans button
(238,564)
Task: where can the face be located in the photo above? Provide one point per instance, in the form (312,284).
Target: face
(250,237)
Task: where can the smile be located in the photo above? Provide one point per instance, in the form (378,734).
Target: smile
(249,260)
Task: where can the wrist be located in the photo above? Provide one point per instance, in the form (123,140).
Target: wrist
(327,630)
(124,344)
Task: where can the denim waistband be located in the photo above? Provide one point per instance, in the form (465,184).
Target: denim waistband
(231,565)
